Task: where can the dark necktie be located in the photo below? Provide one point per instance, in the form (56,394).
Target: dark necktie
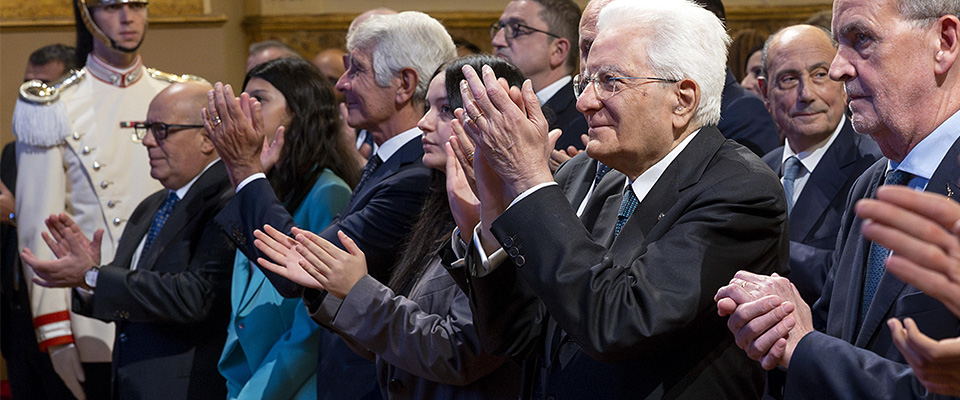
(602,170)
(158,220)
(877,257)
(372,163)
(627,206)
(792,169)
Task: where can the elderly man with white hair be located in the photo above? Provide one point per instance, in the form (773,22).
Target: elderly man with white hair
(616,303)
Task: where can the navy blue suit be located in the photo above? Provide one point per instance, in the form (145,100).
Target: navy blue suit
(563,114)
(378,218)
(744,118)
(815,219)
(844,360)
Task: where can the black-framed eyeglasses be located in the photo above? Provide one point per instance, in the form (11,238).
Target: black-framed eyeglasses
(606,85)
(160,129)
(513,29)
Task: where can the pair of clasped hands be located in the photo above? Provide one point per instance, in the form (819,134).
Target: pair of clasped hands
(768,317)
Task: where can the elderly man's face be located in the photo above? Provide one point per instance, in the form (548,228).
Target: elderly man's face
(632,126)
(530,51)
(883,63)
(800,95)
(367,103)
(179,157)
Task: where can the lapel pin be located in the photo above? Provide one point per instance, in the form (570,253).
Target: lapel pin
(949,191)
(660,216)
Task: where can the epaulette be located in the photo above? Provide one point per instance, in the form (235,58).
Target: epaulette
(38,118)
(173,78)
(38,92)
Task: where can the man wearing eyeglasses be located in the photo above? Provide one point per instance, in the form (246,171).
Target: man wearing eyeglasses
(168,287)
(540,38)
(74,157)
(625,288)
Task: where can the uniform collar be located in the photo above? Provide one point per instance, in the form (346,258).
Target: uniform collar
(112,75)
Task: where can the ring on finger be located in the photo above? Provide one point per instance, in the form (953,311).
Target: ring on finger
(470,156)
(215,121)
(475,118)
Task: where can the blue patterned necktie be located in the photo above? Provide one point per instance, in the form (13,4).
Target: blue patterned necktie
(627,206)
(792,169)
(877,257)
(602,170)
(372,164)
(159,219)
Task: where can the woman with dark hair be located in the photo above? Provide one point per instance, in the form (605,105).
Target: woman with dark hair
(418,326)
(271,347)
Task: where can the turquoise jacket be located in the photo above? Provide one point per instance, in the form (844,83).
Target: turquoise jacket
(271,347)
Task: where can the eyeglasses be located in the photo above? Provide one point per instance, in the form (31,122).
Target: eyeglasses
(160,129)
(513,29)
(606,85)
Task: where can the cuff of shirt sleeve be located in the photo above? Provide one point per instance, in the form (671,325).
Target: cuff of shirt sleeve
(249,179)
(530,191)
(487,263)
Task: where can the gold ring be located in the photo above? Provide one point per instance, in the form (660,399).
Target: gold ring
(470,156)
(215,120)
(743,284)
(474,119)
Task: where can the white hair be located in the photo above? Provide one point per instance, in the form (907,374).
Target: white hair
(409,39)
(682,41)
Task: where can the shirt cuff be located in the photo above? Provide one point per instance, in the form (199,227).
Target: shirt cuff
(487,263)
(530,191)
(249,179)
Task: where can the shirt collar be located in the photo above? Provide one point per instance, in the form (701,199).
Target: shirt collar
(545,94)
(646,180)
(922,161)
(112,75)
(388,148)
(809,158)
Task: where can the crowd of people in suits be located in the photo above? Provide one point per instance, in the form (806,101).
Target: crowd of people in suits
(598,209)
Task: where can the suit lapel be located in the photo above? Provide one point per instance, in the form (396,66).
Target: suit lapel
(184,212)
(409,152)
(256,283)
(824,184)
(136,229)
(682,173)
(943,182)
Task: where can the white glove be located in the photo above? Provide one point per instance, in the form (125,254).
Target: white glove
(66,362)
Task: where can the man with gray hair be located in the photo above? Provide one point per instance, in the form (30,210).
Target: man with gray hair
(615,303)
(391,59)
(897,60)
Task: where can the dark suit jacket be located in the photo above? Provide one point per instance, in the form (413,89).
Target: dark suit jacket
(844,360)
(172,311)
(378,218)
(744,118)
(638,310)
(563,114)
(816,216)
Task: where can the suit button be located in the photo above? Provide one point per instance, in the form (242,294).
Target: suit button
(519,260)
(105,184)
(508,241)
(117,221)
(240,325)
(112,203)
(76,135)
(513,252)
(97,165)
(395,386)
(238,237)
(87,149)
(123,337)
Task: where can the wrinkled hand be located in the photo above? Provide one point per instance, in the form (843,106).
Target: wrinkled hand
(336,270)
(512,137)
(464,204)
(279,247)
(922,230)
(935,363)
(767,316)
(7,205)
(66,363)
(239,136)
(74,251)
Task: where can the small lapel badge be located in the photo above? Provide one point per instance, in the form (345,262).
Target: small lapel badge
(949,191)
(660,216)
